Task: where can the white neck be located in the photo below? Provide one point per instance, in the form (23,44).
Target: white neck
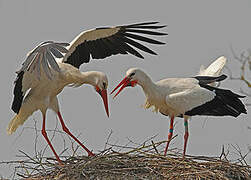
(78,78)
(89,77)
(149,87)
(153,92)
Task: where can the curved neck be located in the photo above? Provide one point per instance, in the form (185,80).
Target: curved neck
(89,77)
(78,78)
(148,86)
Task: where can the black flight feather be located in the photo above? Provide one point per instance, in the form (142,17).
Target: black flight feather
(121,42)
(225,103)
(210,79)
(18,94)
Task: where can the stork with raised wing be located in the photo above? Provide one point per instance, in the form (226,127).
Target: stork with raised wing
(42,77)
(185,97)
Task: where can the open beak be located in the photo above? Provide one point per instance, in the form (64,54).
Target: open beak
(124,83)
(103,94)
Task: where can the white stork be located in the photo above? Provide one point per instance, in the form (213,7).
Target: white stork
(185,97)
(42,78)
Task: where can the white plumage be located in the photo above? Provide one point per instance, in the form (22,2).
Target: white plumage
(42,78)
(188,99)
(184,97)
(215,68)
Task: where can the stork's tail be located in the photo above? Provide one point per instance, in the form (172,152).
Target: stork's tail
(15,123)
(225,103)
(213,69)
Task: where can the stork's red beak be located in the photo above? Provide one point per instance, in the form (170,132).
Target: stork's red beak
(103,94)
(124,83)
(104,97)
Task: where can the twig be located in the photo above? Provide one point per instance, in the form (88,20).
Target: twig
(108,138)
(156,150)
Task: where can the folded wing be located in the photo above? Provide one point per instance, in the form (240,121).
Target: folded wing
(188,99)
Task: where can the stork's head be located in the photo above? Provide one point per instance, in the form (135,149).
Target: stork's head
(133,77)
(100,85)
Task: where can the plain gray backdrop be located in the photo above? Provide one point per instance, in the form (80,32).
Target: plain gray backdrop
(198,33)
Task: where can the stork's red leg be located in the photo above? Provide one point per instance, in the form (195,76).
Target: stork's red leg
(170,134)
(185,136)
(68,132)
(48,141)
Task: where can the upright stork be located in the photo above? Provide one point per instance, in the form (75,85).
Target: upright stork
(185,97)
(42,77)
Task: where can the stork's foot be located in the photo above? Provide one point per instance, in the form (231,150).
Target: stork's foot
(167,145)
(58,162)
(61,164)
(183,156)
(170,135)
(90,154)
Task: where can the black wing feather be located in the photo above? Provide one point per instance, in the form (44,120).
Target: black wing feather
(94,49)
(147,27)
(119,49)
(104,48)
(141,24)
(113,49)
(18,94)
(138,45)
(125,46)
(142,38)
(132,51)
(210,79)
(122,42)
(81,55)
(84,52)
(225,103)
(146,32)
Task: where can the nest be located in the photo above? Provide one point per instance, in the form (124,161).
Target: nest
(143,162)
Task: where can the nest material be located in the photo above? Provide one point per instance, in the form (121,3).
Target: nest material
(141,163)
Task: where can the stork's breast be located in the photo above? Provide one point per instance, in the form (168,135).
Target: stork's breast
(159,106)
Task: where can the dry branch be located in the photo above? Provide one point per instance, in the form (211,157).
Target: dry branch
(143,162)
(244,60)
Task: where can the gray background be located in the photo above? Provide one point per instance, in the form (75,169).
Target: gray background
(199,31)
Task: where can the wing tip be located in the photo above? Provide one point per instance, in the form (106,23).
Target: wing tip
(145,25)
(222,77)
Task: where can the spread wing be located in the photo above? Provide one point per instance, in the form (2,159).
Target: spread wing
(41,58)
(100,43)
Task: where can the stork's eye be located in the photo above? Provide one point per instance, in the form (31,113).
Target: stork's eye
(104,84)
(132,74)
